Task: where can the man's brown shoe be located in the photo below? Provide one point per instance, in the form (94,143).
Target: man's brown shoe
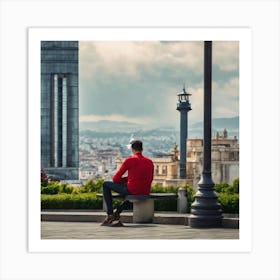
(108,221)
(116,223)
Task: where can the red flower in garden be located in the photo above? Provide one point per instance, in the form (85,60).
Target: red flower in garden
(44,177)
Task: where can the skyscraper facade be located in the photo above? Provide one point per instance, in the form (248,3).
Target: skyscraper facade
(60,109)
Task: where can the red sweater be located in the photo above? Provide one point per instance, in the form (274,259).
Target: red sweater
(140,174)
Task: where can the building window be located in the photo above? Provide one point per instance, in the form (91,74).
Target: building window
(231,156)
(157,170)
(59,120)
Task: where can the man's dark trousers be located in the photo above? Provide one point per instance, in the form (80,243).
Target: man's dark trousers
(108,187)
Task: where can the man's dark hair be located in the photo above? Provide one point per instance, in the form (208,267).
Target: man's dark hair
(137,145)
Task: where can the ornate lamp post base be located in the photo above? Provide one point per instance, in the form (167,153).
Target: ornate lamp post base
(203,222)
(206,210)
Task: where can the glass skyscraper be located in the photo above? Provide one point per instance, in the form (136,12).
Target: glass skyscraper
(60,109)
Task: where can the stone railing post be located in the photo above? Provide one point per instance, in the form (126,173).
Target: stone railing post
(182,202)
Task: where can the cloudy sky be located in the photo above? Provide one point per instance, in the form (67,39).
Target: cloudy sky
(139,81)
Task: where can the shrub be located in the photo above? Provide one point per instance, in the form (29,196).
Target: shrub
(58,188)
(65,188)
(227,188)
(221,187)
(70,201)
(236,185)
(161,189)
(228,196)
(50,189)
(229,202)
(92,186)
(190,195)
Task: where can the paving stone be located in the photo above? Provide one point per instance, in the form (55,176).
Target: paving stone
(93,230)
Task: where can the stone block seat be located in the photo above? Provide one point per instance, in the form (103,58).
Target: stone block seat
(143,205)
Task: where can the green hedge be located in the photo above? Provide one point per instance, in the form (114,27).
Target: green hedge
(170,204)
(71,201)
(63,196)
(229,202)
(55,195)
(228,196)
(89,201)
(90,186)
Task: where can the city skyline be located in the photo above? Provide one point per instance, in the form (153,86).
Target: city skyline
(138,81)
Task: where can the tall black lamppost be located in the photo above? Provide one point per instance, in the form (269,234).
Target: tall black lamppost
(183,106)
(205,210)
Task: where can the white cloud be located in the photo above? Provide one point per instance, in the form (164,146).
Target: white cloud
(130,58)
(114,117)
(138,81)
(226,55)
(225,98)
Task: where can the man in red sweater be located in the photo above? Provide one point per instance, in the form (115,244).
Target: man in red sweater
(140,173)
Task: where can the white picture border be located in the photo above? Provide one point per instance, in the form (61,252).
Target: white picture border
(262,262)
(243,35)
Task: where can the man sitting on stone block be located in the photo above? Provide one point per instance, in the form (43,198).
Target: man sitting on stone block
(138,181)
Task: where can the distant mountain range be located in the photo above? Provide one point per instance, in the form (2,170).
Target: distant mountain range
(220,123)
(110,126)
(195,130)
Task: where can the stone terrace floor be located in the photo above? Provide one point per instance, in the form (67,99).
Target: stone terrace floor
(93,230)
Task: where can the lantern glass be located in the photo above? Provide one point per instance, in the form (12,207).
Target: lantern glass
(183,96)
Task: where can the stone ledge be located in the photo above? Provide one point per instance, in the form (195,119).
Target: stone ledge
(167,218)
